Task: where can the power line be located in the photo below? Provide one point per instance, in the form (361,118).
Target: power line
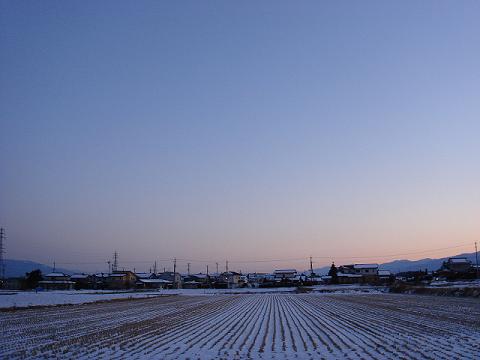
(209,261)
(393,255)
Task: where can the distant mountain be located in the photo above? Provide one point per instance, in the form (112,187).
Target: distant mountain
(18,268)
(429,264)
(397,266)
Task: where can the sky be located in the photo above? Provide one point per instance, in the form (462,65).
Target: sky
(249,132)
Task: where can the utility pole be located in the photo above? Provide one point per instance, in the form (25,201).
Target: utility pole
(217,267)
(54,266)
(207,270)
(115,261)
(226,266)
(175,273)
(109,266)
(155,267)
(2,252)
(476,257)
(311,267)
(188,269)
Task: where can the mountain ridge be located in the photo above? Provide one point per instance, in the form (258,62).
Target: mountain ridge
(18,268)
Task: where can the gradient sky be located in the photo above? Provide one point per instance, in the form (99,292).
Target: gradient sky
(243,131)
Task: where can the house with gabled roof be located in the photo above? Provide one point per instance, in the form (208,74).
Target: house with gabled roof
(457,265)
(82,281)
(358,273)
(56,281)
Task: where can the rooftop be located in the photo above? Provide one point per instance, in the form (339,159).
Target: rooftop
(284,271)
(79,276)
(365,266)
(155,281)
(55,274)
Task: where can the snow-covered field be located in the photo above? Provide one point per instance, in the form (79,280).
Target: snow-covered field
(456,284)
(19,299)
(260,326)
(10,299)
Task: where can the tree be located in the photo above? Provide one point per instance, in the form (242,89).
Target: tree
(32,278)
(333,272)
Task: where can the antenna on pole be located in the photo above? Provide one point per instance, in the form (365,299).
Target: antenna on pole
(188,269)
(2,252)
(217,267)
(155,267)
(207,270)
(226,266)
(54,266)
(109,266)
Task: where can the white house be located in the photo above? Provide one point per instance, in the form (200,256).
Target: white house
(360,269)
(288,274)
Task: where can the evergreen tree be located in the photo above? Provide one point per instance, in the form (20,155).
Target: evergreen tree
(32,278)
(333,272)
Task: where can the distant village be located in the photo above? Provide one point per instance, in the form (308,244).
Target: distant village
(122,279)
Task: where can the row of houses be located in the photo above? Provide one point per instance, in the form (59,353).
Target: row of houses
(167,280)
(128,279)
(451,269)
(345,274)
(109,281)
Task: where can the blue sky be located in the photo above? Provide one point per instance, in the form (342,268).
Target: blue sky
(214,130)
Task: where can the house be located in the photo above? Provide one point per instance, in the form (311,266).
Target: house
(243,281)
(313,279)
(174,278)
(362,269)
(145,275)
(368,272)
(256,277)
(56,281)
(256,280)
(233,279)
(285,274)
(385,276)
(82,281)
(457,265)
(121,280)
(148,283)
(100,280)
(194,281)
(228,279)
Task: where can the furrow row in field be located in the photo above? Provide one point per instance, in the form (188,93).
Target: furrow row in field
(109,320)
(262,326)
(137,335)
(389,324)
(424,327)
